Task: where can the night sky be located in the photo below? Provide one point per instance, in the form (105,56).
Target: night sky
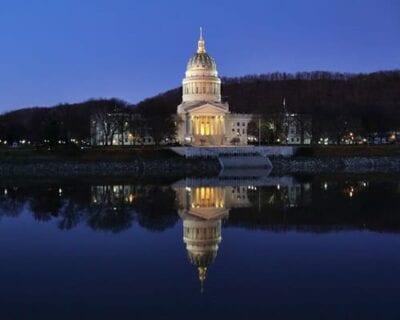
(72,50)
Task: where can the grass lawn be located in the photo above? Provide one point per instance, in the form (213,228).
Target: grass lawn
(129,153)
(112,153)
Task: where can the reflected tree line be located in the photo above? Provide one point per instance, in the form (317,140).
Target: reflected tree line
(323,206)
(102,208)
(315,205)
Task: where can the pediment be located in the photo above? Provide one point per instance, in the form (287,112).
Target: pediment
(208,108)
(209,213)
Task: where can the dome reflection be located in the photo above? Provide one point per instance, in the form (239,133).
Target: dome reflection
(202,209)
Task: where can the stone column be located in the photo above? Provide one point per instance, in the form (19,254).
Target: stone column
(188,125)
(223,128)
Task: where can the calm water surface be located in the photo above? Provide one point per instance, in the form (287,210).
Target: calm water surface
(276,247)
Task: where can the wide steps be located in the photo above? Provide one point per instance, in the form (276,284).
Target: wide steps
(244,161)
(236,157)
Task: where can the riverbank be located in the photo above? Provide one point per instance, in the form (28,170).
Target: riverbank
(179,168)
(163,163)
(344,159)
(166,168)
(282,166)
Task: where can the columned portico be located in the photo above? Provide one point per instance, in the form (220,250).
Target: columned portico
(207,125)
(208,129)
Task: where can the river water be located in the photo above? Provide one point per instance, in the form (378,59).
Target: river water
(293,247)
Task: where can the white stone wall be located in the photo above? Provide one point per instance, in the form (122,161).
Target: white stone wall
(201,89)
(265,151)
(236,126)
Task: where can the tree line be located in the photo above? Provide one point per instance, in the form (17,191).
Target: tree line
(336,102)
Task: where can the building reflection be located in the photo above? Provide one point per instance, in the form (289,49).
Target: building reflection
(203,209)
(115,194)
(296,194)
(205,205)
(352,189)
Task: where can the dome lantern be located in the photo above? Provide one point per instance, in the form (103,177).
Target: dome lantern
(201,44)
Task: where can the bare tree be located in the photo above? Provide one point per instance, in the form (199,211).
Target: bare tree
(106,125)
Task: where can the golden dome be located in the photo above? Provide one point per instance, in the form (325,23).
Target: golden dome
(201,59)
(202,259)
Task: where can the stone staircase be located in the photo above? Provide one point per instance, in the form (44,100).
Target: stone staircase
(231,157)
(244,161)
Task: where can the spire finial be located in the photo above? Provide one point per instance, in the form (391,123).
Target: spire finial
(202,277)
(201,47)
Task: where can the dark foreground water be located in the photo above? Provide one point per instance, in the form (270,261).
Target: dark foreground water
(271,248)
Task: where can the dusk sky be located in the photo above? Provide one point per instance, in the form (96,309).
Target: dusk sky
(72,50)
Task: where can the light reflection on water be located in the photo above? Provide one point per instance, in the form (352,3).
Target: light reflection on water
(244,237)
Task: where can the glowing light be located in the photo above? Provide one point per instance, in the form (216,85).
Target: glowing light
(351,192)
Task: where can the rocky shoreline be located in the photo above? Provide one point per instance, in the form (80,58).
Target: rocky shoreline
(147,168)
(332,164)
(195,167)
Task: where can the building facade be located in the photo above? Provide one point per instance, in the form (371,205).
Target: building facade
(205,120)
(296,129)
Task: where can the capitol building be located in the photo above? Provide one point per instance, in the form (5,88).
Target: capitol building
(205,120)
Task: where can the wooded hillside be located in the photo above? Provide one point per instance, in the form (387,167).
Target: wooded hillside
(361,102)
